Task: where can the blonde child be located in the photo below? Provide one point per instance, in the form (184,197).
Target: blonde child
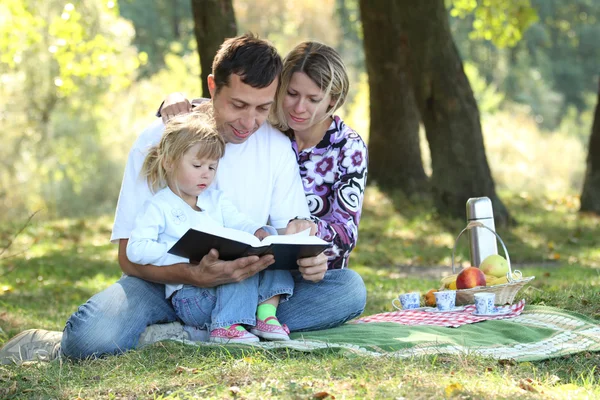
(180,171)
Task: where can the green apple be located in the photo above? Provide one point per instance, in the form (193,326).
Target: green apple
(494,265)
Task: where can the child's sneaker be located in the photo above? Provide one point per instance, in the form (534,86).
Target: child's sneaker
(232,335)
(269,331)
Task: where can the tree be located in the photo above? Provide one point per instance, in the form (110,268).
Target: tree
(448,110)
(214,21)
(590,195)
(395,155)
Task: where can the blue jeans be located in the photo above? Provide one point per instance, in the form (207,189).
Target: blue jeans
(233,303)
(112,321)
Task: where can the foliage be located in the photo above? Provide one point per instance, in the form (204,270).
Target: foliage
(162,27)
(553,66)
(488,97)
(568,38)
(502,22)
(54,142)
(57,265)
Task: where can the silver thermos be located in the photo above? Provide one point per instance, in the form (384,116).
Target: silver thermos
(482,241)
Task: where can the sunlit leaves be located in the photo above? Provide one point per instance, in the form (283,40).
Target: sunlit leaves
(87,49)
(500,21)
(19,29)
(59,60)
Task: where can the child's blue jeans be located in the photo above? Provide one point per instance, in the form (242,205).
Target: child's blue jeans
(233,303)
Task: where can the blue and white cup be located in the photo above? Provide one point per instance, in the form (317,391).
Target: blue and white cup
(484,303)
(407,301)
(445,300)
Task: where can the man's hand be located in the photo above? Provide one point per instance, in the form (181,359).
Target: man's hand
(299,225)
(212,272)
(174,104)
(209,272)
(313,268)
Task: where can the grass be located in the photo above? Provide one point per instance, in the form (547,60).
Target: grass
(52,267)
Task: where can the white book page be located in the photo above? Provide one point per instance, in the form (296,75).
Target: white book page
(302,237)
(233,234)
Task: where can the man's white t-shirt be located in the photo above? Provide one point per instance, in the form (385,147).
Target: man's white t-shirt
(259,176)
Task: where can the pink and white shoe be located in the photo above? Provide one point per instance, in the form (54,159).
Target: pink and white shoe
(232,335)
(270,332)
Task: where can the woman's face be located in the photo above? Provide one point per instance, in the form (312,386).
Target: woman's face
(305,104)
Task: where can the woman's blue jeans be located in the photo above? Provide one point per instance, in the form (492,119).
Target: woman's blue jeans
(112,321)
(233,303)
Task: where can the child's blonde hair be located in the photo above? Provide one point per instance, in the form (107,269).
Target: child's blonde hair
(181,133)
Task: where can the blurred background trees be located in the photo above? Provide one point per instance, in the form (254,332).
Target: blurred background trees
(80,79)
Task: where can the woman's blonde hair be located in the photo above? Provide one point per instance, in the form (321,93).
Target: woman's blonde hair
(181,133)
(324,66)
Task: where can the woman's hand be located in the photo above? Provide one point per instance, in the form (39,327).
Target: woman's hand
(299,225)
(313,268)
(174,104)
(261,233)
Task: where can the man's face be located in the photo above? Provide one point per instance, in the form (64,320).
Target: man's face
(240,109)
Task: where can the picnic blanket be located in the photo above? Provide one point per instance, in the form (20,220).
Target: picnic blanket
(538,333)
(452,319)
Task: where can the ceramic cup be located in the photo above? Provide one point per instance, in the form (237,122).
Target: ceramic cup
(484,303)
(407,301)
(445,300)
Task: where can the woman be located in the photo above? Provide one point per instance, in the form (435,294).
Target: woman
(331,156)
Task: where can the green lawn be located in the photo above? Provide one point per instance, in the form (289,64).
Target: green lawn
(52,267)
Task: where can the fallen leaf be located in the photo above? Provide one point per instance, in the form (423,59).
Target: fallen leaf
(528,384)
(322,395)
(181,370)
(453,389)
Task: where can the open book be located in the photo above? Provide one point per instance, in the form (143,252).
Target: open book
(232,244)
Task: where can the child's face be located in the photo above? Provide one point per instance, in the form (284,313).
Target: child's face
(194,175)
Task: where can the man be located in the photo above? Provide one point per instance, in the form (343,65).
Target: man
(260,175)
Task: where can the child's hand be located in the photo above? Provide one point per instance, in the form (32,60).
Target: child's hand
(261,233)
(174,104)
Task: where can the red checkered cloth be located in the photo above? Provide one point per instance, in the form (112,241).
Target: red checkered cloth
(451,319)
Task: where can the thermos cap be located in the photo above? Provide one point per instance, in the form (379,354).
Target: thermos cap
(479,208)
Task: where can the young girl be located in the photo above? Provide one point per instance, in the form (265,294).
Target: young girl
(180,171)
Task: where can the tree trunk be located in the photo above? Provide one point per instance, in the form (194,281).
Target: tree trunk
(394,153)
(214,21)
(448,110)
(590,195)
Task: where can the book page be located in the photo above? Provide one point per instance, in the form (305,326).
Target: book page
(302,237)
(233,234)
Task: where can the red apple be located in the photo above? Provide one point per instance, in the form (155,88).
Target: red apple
(469,278)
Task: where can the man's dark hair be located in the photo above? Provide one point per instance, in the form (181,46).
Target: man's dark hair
(255,60)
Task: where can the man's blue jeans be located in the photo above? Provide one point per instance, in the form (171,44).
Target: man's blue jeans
(233,303)
(112,321)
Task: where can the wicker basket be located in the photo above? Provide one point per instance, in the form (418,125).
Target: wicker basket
(506,292)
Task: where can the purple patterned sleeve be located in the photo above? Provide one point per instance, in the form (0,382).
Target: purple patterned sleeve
(340,224)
